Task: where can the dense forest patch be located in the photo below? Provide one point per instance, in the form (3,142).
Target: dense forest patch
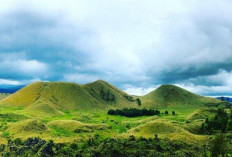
(134,112)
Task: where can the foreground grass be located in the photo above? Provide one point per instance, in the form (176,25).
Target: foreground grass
(12,119)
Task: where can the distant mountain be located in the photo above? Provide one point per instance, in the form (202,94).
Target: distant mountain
(225,99)
(170,95)
(10,88)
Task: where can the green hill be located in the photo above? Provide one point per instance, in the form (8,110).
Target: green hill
(170,95)
(51,97)
(106,93)
(164,130)
(54,98)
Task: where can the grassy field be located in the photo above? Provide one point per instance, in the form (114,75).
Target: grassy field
(79,125)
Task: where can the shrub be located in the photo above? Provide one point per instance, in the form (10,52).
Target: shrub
(133,112)
(138,101)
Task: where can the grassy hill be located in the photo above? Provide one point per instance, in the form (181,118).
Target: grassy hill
(170,95)
(165,130)
(116,97)
(51,97)
(55,98)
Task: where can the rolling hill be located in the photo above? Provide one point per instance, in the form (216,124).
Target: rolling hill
(170,95)
(57,97)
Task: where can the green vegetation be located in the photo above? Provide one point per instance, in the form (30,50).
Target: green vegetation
(219,146)
(170,95)
(67,119)
(134,112)
(139,101)
(221,122)
(108,96)
(97,147)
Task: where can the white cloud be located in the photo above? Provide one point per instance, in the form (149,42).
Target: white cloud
(139,91)
(30,66)
(18,64)
(80,78)
(9,82)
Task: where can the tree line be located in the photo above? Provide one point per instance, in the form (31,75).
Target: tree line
(222,122)
(134,112)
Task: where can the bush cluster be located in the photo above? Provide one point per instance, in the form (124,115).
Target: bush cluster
(134,112)
(108,96)
(95,147)
(222,122)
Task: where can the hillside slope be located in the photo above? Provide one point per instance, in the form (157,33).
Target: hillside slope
(106,93)
(170,95)
(51,97)
(57,97)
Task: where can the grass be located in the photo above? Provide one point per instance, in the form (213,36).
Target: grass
(164,130)
(79,126)
(55,98)
(30,125)
(61,128)
(202,114)
(67,112)
(170,95)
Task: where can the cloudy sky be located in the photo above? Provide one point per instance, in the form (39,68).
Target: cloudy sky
(136,45)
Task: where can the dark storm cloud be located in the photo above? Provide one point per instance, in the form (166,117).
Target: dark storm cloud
(177,75)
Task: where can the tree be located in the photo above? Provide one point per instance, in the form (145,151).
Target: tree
(222,98)
(108,95)
(156,138)
(139,101)
(173,113)
(231,114)
(219,122)
(113,98)
(102,93)
(219,146)
(166,112)
(202,129)
(134,112)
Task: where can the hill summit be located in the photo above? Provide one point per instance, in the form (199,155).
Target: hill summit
(57,97)
(169,95)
